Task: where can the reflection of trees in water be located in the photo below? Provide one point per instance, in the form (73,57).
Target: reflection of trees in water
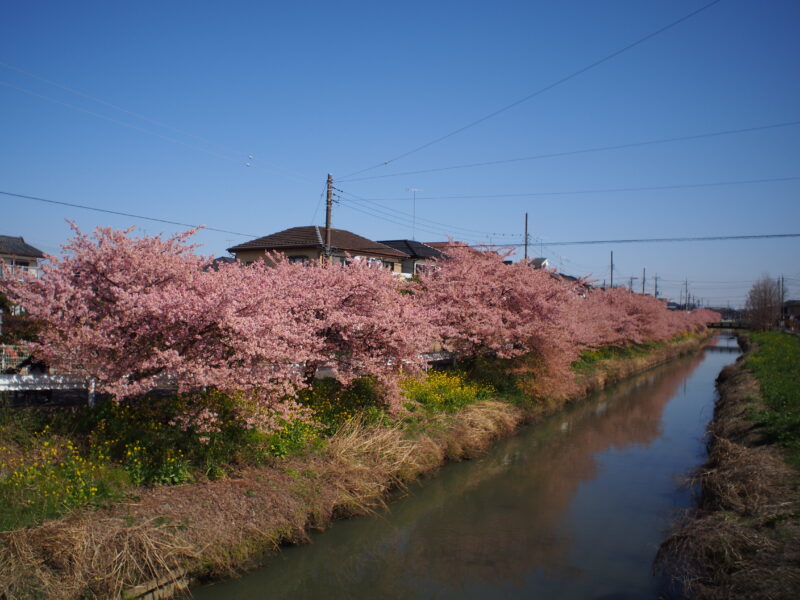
(490,521)
(494,535)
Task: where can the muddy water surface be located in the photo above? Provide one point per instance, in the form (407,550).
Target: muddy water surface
(572,508)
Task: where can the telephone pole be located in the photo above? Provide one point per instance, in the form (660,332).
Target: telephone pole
(643,279)
(686,297)
(656,292)
(612,269)
(526,238)
(328,206)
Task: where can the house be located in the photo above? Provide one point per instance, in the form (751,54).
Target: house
(19,255)
(418,254)
(303,244)
(538,263)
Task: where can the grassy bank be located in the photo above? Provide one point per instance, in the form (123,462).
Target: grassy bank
(743,541)
(226,516)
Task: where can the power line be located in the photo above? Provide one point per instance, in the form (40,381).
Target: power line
(405,221)
(583,151)
(246,160)
(542,90)
(675,239)
(123,214)
(119,108)
(595,191)
(367,211)
(406,215)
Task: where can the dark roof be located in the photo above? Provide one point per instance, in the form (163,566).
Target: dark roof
(220,260)
(312,236)
(18,247)
(413,248)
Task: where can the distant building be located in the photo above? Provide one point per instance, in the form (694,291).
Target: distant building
(19,255)
(539,263)
(418,254)
(304,244)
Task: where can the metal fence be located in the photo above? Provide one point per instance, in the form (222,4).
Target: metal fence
(11,356)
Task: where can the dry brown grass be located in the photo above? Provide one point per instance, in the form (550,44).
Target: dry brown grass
(218,528)
(68,557)
(743,541)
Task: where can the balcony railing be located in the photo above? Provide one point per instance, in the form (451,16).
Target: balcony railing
(9,271)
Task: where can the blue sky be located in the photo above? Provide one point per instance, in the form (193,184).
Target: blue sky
(308,88)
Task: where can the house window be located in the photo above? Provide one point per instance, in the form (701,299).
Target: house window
(298,258)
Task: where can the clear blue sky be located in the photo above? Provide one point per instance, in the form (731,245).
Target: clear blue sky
(309,88)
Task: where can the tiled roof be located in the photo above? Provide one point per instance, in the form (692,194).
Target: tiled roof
(18,247)
(413,248)
(312,236)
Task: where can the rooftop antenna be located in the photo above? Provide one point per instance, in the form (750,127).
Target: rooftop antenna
(413,211)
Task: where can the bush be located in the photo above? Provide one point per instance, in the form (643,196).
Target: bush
(445,391)
(333,404)
(51,477)
(776,365)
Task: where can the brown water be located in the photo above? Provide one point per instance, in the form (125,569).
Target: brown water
(572,508)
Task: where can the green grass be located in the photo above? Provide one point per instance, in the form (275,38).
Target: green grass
(776,366)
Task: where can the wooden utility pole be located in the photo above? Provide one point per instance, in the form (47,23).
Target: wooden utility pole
(612,269)
(526,238)
(656,292)
(328,207)
(643,272)
(686,297)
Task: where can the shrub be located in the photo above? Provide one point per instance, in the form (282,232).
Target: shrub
(445,391)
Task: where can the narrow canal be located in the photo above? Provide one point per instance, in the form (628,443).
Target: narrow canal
(571,508)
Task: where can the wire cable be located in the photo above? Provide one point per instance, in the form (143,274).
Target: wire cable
(542,90)
(408,216)
(651,188)
(123,214)
(711,238)
(583,151)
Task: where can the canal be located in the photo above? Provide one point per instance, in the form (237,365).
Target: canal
(574,507)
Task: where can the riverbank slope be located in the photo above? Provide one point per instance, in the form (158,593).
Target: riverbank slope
(743,540)
(218,528)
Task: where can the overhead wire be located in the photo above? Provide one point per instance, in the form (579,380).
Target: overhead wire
(580,151)
(542,90)
(123,214)
(673,239)
(407,221)
(366,211)
(119,108)
(246,159)
(354,197)
(595,191)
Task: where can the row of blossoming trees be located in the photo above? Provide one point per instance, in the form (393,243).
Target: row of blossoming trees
(134,311)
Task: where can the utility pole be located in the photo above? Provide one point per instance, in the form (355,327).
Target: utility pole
(328,206)
(612,269)
(687,294)
(643,279)
(526,238)
(656,292)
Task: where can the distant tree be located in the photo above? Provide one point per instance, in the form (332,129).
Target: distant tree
(763,304)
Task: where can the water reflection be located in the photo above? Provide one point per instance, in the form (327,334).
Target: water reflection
(573,507)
